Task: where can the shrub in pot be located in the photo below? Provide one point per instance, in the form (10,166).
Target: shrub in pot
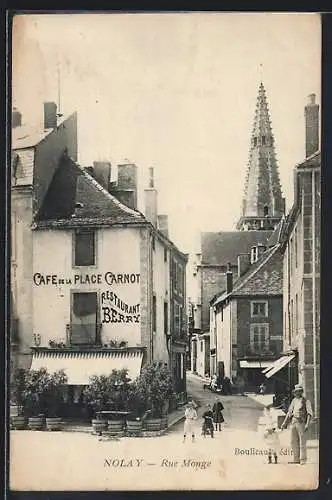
(106,393)
(136,404)
(43,393)
(19,421)
(155,385)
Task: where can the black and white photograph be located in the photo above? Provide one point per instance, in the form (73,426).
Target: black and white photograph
(165,215)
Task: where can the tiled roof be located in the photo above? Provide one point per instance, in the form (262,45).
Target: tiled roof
(75,198)
(263,278)
(224,247)
(27,136)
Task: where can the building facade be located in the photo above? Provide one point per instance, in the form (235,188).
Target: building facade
(107,285)
(246,322)
(301,251)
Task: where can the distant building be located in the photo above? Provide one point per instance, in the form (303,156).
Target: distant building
(246,321)
(107,286)
(262,209)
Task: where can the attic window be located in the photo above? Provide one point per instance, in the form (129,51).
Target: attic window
(254,255)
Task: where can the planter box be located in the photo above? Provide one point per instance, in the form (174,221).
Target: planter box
(36,423)
(54,424)
(115,426)
(134,427)
(19,422)
(98,426)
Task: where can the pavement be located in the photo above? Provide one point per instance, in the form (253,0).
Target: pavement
(234,460)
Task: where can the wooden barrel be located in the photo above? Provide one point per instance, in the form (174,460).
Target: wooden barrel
(54,424)
(36,423)
(99,426)
(115,426)
(19,422)
(134,426)
(153,424)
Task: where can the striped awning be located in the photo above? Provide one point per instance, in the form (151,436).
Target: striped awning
(80,366)
(245,363)
(278,365)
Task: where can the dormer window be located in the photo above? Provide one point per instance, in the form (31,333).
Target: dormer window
(254,255)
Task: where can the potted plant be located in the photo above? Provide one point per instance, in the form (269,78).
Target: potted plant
(119,385)
(19,421)
(36,382)
(52,399)
(155,386)
(136,404)
(97,396)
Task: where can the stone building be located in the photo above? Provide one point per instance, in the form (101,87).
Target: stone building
(262,209)
(301,265)
(107,285)
(246,321)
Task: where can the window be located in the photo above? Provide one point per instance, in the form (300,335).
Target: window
(296,314)
(177,319)
(263,140)
(166,318)
(202,345)
(266,210)
(254,255)
(259,336)
(255,141)
(85,248)
(291,255)
(154,313)
(84,318)
(259,308)
(153,243)
(165,254)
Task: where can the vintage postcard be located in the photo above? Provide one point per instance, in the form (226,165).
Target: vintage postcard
(165,251)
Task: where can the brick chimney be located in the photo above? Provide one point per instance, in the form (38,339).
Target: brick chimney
(163,224)
(229,279)
(16,118)
(126,190)
(102,173)
(50,115)
(243,264)
(311,113)
(151,194)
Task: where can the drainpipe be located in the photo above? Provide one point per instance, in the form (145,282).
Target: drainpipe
(314,332)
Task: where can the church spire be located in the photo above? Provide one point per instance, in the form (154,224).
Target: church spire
(263,204)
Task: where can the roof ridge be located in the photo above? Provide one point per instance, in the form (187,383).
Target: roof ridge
(96,184)
(255,271)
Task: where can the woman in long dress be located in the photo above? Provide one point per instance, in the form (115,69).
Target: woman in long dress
(190,417)
(218,417)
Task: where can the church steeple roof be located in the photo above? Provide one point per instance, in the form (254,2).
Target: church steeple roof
(263,204)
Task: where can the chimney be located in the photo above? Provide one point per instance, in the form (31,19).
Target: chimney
(102,173)
(151,209)
(243,264)
(126,190)
(16,118)
(163,224)
(311,113)
(229,279)
(50,115)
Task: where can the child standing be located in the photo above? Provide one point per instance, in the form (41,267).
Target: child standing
(271,435)
(190,417)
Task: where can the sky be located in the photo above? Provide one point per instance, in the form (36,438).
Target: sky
(176,92)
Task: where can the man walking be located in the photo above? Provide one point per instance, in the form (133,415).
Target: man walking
(299,416)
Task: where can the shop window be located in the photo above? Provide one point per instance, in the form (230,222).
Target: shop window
(84,318)
(84,251)
(259,309)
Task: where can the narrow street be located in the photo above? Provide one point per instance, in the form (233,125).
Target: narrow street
(234,459)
